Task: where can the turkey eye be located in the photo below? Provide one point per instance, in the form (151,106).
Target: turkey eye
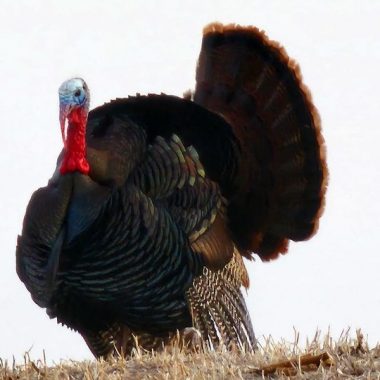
(77,93)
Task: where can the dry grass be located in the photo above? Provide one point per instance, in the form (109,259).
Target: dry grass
(321,359)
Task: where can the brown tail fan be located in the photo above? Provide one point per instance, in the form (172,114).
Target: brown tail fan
(281,182)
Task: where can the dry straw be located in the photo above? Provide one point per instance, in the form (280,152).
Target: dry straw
(322,358)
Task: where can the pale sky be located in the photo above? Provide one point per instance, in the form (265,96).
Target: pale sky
(123,47)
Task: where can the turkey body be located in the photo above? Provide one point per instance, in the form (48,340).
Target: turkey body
(151,240)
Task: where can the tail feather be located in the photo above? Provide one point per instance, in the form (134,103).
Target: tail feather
(281,181)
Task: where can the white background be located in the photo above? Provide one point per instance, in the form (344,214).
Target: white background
(124,47)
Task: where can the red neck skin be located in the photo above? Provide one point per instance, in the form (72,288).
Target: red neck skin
(75,152)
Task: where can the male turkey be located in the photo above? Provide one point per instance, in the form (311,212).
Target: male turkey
(141,230)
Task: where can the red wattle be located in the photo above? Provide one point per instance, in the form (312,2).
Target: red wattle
(75,153)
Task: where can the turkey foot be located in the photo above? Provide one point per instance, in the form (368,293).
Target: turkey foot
(188,339)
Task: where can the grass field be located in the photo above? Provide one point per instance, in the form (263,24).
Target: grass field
(322,358)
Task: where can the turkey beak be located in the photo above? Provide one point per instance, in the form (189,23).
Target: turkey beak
(63,113)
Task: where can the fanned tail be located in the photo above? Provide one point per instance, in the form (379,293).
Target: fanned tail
(281,181)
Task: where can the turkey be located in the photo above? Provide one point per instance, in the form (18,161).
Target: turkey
(141,231)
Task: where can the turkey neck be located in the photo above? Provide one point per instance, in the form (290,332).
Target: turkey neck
(75,151)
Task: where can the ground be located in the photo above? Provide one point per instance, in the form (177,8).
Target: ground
(322,358)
